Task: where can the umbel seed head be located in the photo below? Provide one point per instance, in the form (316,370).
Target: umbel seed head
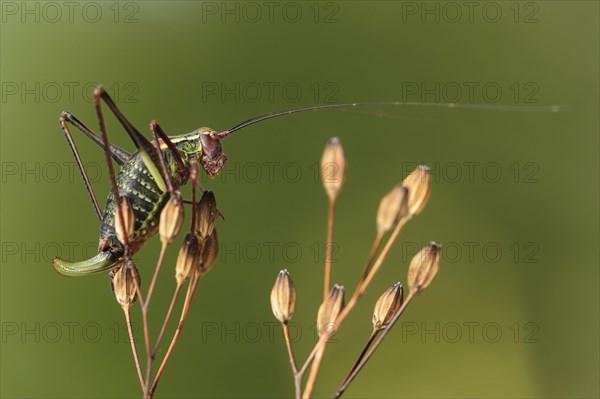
(387,305)
(333,168)
(206,215)
(210,250)
(125,228)
(124,286)
(171,220)
(188,258)
(419,189)
(329,311)
(392,208)
(423,267)
(283,297)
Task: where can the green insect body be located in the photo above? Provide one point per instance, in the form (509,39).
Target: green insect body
(145,190)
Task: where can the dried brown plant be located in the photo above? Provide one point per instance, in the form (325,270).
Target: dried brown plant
(406,200)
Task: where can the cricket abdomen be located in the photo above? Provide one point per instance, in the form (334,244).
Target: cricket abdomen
(147,200)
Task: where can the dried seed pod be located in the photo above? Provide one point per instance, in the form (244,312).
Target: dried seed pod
(123,285)
(188,258)
(423,267)
(127,227)
(206,215)
(330,310)
(283,297)
(210,250)
(333,168)
(171,220)
(392,208)
(387,305)
(419,189)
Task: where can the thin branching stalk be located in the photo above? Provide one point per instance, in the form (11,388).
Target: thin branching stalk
(191,290)
(364,283)
(288,344)
(161,257)
(166,321)
(329,247)
(150,354)
(188,299)
(363,352)
(314,370)
(374,249)
(298,374)
(133,346)
(147,342)
(140,298)
(156,129)
(322,341)
(361,287)
(355,370)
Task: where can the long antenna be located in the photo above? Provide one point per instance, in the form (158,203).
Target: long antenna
(491,107)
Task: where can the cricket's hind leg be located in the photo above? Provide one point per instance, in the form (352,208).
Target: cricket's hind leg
(118,154)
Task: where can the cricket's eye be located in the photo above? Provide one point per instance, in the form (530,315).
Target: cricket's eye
(211,145)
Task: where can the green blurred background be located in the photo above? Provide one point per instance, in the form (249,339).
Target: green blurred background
(514,310)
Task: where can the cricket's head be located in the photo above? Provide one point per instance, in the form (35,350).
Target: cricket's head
(212,158)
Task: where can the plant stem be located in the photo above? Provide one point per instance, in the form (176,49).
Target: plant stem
(140,298)
(329,248)
(188,299)
(147,342)
(166,321)
(300,373)
(364,282)
(161,257)
(361,288)
(358,292)
(288,344)
(312,354)
(314,371)
(150,354)
(352,375)
(374,249)
(133,347)
(362,354)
